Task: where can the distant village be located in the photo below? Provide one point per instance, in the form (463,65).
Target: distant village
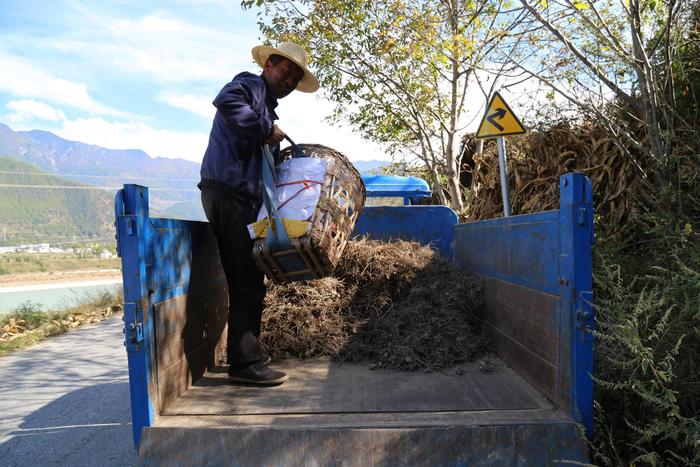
(47,248)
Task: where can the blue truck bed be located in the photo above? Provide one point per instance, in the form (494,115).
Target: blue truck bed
(537,275)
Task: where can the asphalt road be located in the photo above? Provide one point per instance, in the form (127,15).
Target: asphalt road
(66,401)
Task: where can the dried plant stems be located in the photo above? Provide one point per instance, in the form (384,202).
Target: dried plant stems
(394,305)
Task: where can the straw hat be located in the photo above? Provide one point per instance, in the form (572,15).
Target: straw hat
(293,52)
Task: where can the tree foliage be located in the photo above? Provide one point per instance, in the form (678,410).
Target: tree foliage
(397,70)
(621,63)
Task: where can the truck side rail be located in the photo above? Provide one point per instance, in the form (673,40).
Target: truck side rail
(429,225)
(538,291)
(175,303)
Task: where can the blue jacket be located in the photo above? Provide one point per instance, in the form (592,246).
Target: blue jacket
(245,111)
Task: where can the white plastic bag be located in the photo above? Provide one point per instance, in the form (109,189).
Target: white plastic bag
(298,189)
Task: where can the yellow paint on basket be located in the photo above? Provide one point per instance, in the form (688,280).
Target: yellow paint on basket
(294,228)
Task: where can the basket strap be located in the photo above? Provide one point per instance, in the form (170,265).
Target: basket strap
(277,238)
(296,150)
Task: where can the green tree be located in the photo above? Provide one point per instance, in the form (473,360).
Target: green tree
(618,63)
(398,71)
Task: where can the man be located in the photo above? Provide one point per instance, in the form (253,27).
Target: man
(232,192)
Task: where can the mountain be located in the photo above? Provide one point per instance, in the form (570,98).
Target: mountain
(369,167)
(172,182)
(57,155)
(46,213)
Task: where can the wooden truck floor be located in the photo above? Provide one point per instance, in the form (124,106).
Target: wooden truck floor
(347,413)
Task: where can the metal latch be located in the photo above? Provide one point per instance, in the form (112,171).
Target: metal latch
(133,329)
(130,224)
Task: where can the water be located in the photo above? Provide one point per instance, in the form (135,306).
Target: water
(55,296)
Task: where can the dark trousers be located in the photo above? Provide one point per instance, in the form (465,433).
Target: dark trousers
(228,217)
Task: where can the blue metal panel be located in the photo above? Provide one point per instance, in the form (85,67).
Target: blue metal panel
(549,252)
(519,249)
(575,266)
(133,238)
(183,258)
(161,259)
(392,185)
(429,225)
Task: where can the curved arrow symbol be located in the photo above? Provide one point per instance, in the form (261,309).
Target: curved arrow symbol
(499,113)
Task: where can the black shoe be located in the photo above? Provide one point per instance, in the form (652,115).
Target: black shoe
(258,374)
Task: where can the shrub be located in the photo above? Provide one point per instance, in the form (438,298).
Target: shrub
(647,357)
(28,311)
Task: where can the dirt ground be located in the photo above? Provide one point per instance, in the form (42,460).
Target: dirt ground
(14,280)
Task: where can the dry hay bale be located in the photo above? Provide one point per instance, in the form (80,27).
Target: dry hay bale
(395,305)
(537,160)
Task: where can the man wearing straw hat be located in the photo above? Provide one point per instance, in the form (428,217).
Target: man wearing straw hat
(232,192)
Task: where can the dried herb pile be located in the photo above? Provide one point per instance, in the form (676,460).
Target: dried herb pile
(394,305)
(538,159)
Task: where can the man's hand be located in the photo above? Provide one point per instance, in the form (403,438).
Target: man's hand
(276,137)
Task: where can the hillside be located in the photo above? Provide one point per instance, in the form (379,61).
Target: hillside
(50,215)
(172,181)
(57,155)
(95,165)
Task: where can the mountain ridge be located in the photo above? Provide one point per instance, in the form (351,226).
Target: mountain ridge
(64,155)
(38,207)
(172,182)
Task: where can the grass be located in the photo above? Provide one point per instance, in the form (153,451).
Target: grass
(28,324)
(22,263)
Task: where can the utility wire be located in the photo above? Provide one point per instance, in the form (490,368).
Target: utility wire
(65,241)
(99,176)
(12,185)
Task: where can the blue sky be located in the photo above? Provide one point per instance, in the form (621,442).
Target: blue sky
(139,74)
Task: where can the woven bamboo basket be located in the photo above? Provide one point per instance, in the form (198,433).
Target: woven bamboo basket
(319,250)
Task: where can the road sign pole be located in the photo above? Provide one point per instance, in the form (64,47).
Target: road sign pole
(499,121)
(505,192)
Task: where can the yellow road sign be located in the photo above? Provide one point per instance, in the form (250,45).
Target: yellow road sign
(499,120)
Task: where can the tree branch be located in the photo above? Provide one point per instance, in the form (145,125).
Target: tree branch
(574,50)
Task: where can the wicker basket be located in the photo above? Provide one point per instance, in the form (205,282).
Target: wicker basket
(318,251)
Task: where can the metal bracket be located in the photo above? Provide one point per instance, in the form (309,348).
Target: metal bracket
(585,317)
(133,329)
(118,211)
(582,214)
(119,217)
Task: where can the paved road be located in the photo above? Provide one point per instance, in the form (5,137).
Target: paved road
(66,401)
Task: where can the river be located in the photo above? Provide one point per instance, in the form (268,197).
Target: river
(55,296)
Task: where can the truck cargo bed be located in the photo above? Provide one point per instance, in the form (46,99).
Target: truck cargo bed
(332,413)
(319,387)
(536,270)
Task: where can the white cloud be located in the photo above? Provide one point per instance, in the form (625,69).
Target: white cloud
(27,109)
(176,61)
(29,81)
(151,23)
(136,135)
(197,104)
(165,50)
(302,118)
